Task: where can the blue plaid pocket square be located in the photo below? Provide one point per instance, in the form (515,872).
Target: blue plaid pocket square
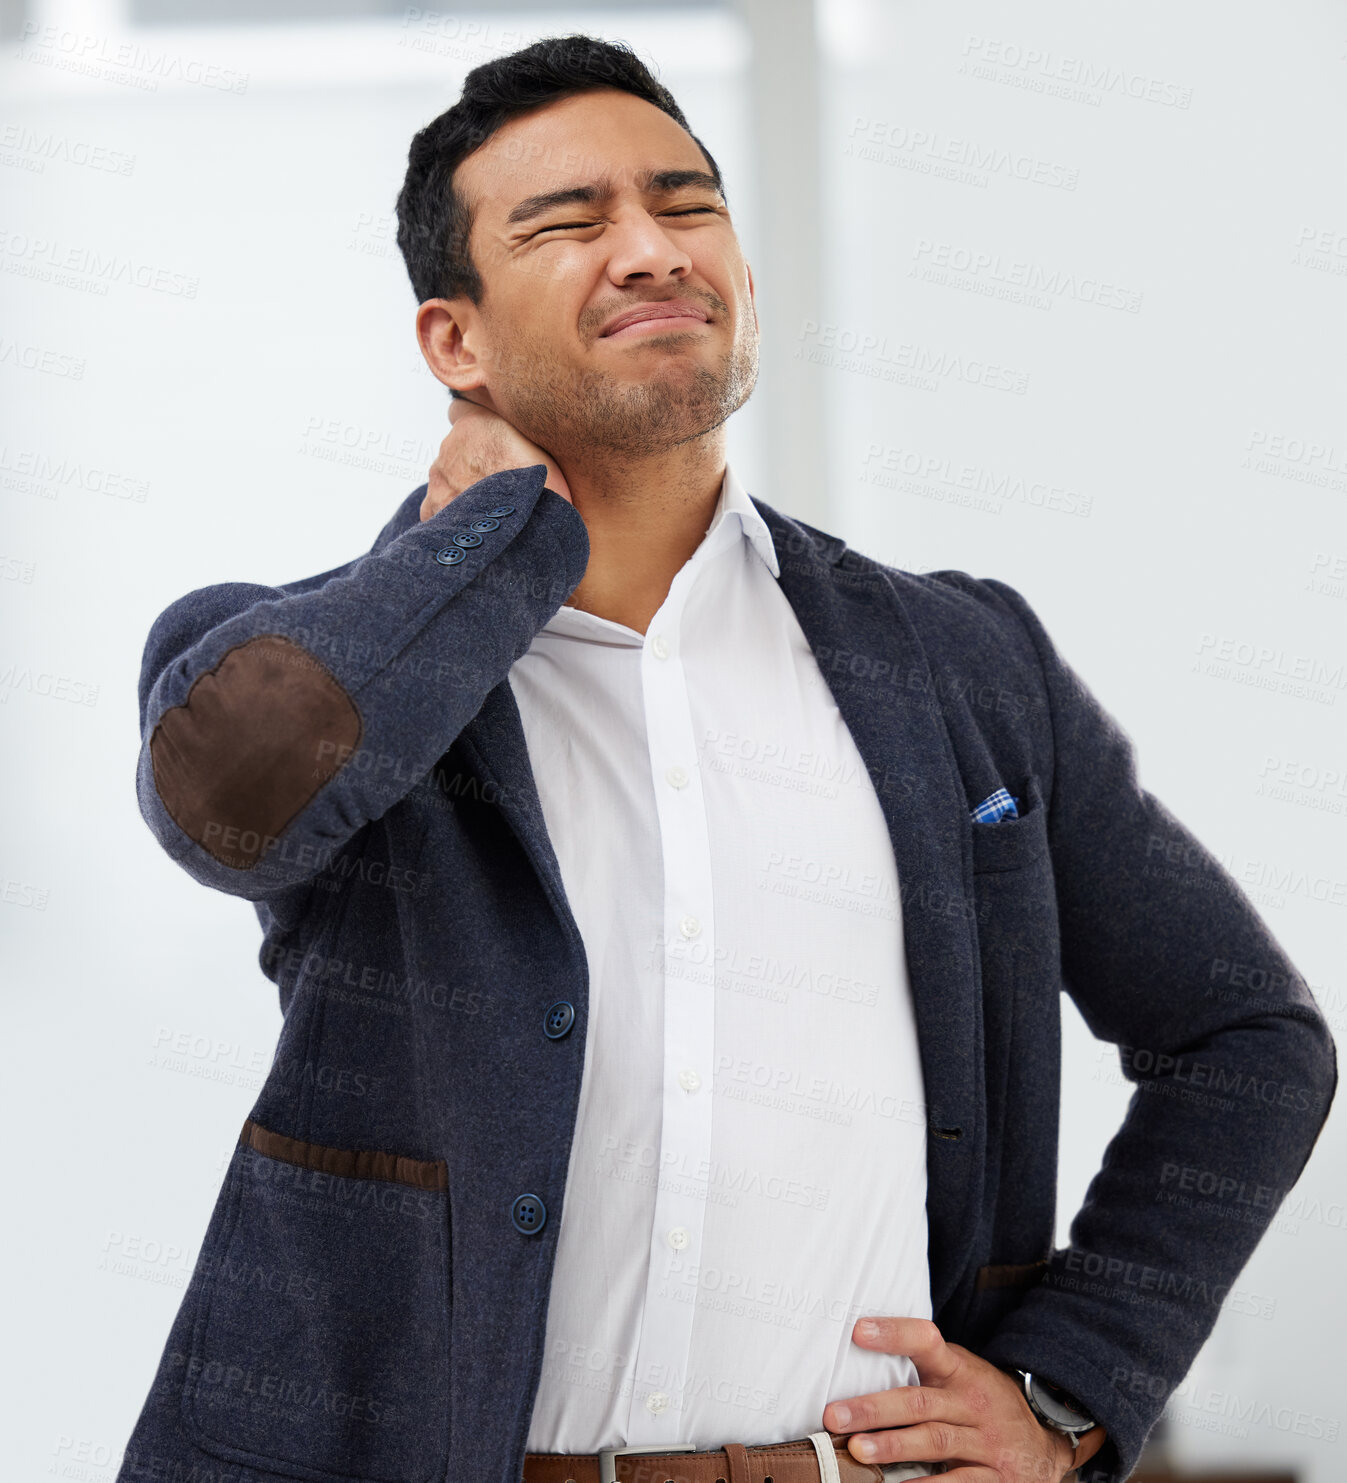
(993,808)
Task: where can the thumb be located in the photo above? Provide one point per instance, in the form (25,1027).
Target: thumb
(556,481)
(460,406)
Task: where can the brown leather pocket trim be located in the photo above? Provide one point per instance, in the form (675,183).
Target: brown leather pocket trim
(346,1163)
(1023,1274)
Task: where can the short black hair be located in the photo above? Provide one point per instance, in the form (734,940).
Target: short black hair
(434,220)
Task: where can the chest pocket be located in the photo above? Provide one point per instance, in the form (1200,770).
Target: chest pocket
(1012,843)
(1015,905)
(1015,900)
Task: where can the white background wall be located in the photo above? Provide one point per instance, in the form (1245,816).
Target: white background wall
(260,412)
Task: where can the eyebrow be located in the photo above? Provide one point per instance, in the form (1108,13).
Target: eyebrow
(648,182)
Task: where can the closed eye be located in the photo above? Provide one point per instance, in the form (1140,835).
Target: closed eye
(567,226)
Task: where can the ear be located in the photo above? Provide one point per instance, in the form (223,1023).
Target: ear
(446,330)
(752,299)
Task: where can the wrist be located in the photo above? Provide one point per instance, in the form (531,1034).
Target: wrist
(1076,1435)
(1086,1446)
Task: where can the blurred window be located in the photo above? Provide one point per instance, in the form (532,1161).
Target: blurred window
(223,12)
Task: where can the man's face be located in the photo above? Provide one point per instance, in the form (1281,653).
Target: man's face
(558,271)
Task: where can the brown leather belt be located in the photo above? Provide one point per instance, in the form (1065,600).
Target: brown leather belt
(781,1462)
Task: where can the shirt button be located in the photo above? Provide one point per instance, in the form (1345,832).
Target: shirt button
(658,647)
(690,927)
(677,1238)
(689,1080)
(656,1401)
(676,777)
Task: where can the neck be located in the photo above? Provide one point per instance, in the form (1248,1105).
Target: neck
(645,517)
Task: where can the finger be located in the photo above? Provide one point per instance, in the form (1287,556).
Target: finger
(556,482)
(932,1441)
(918,1338)
(459,407)
(904,1405)
(971,1474)
(435,487)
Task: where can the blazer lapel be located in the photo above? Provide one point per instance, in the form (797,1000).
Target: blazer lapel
(495,743)
(876,668)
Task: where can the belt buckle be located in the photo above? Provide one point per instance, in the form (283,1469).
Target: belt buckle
(608,1469)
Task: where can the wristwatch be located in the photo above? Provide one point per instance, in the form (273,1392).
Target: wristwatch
(1054,1407)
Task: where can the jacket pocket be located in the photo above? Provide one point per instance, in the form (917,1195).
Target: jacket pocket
(1016,1277)
(1011,843)
(997,1291)
(320,1340)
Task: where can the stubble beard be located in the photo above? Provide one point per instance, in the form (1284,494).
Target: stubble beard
(604,418)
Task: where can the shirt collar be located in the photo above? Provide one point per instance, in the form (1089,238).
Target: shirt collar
(734,500)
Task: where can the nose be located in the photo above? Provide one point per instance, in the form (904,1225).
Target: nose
(643,250)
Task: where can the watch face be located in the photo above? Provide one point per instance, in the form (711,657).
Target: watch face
(1059,1406)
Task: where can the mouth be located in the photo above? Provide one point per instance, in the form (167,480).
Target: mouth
(671,316)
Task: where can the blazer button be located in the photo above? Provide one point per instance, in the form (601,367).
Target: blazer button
(502,510)
(466,538)
(528,1213)
(558,1019)
(450,556)
(481,525)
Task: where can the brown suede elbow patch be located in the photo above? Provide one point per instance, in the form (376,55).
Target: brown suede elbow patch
(254,741)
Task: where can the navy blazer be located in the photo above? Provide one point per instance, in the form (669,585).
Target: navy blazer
(345,752)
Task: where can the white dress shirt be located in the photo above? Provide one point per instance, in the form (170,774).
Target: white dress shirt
(748,1173)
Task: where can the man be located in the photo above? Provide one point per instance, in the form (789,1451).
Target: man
(669,908)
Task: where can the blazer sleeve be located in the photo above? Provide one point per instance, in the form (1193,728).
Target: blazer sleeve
(1233,1065)
(276,722)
